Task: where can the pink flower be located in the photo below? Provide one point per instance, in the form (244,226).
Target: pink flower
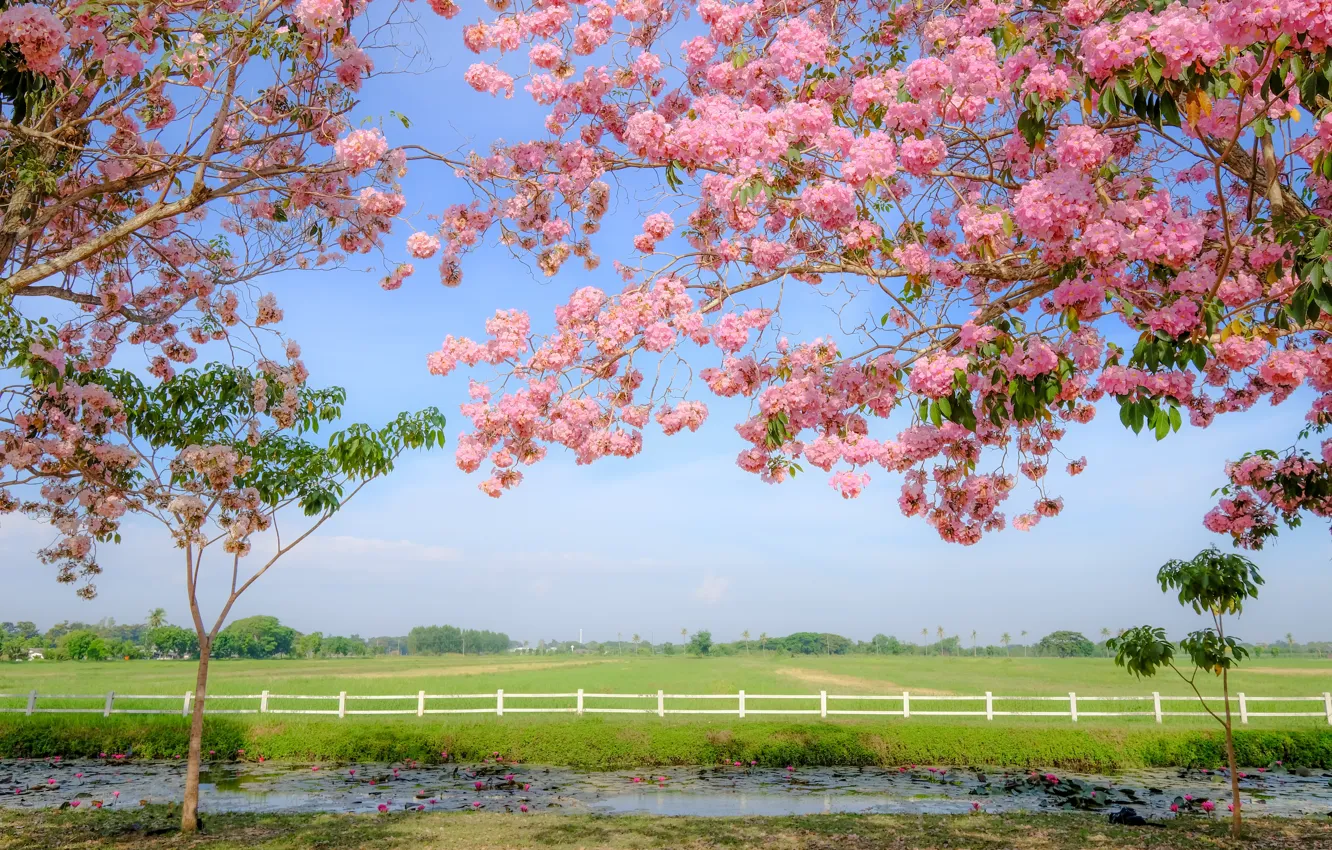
(479,784)
(523,807)
(360,150)
(39,35)
(476,804)
(383,807)
(74,803)
(1208,805)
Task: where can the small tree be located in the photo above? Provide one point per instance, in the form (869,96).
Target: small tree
(745,635)
(1105,639)
(763,639)
(1006,639)
(700,643)
(219,456)
(973,643)
(1214,584)
(156,618)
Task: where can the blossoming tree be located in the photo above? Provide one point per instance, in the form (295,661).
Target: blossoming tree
(1023,208)
(157,161)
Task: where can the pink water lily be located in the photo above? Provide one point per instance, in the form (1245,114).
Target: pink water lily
(476,804)
(479,784)
(1174,807)
(526,786)
(383,807)
(78,776)
(523,807)
(1208,805)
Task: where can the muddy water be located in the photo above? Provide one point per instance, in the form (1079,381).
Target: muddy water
(721,791)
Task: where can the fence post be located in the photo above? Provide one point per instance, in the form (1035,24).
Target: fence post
(499,703)
(185,709)
(906,705)
(1327,706)
(580,702)
(1073,706)
(1156,701)
(342,704)
(823,703)
(263,702)
(989,706)
(32,701)
(1244,708)
(661,703)
(110,700)
(420,703)
(742,703)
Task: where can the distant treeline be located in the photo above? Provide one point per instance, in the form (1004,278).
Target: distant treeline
(251,637)
(1059,644)
(438,640)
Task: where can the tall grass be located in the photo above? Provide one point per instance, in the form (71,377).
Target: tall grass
(594,743)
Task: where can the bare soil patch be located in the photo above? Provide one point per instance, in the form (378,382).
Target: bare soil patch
(854,683)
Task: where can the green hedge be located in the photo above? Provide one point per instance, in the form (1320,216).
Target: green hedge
(600,744)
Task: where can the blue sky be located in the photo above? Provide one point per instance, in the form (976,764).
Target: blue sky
(679,537)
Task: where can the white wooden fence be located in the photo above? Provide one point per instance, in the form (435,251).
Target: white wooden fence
(499,703)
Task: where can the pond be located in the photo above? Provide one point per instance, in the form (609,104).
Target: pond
(712,791)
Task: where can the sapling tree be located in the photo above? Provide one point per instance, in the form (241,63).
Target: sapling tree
(1214,584)
(213,457)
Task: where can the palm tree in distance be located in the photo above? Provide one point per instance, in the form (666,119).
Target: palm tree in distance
(1290,641)
(763,638)
(940,632)
(635,643)
(156,618)
(619,643)
(1105,635)
(1024,644)
(745,635)
(925,639)
(1006,639)
(973,643)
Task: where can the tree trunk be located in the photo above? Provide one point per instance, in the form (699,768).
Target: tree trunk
(189,813)
(1235,825)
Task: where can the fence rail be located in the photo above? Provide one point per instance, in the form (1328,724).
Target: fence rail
(1072,706)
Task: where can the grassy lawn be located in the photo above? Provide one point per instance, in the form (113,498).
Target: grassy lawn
(626,740)
(152,830)
(846,675)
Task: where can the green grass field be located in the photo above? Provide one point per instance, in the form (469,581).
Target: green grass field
(618,740)
(153,830)
(854,674)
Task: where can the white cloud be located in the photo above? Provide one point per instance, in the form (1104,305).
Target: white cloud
(712,589)
(348,552)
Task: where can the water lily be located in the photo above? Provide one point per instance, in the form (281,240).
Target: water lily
(523,807)
(78,776)
(1188,798)
(74,803)
(115,793)
(508,777)
(1174,807)
(479,785)
(383,807)
(527,785)
(476,804)
(1208,805)
(975,806)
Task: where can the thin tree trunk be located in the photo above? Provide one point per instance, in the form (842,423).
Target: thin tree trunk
(1230,758)
(189,814)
